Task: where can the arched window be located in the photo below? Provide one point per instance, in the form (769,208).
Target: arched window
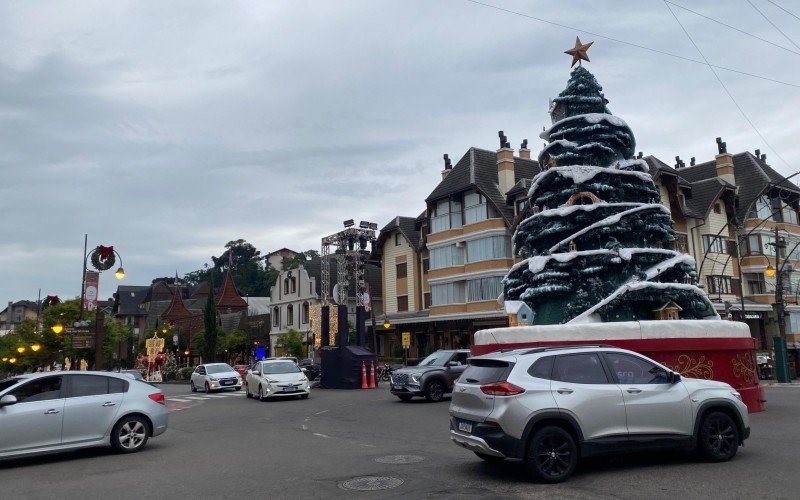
(289,315)
(276,316)
(305,313)
(286,286)
(294,284)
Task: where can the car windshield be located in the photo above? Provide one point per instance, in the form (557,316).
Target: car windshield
(5,384)
(281,367)
(437,359)
(218,368)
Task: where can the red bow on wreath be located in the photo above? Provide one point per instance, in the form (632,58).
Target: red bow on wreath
(105,252)
(52,299)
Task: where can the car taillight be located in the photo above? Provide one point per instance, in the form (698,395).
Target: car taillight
(157,397)
(501,389)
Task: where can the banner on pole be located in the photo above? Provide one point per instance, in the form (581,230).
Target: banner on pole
(90,290)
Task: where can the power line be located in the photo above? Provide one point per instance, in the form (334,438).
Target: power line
(773,24)
(711,67)
(778,6)
(734,28)
(624,42)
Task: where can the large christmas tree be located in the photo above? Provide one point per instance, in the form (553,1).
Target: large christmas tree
(597,246)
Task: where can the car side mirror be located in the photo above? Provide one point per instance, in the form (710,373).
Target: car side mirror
(303,370)
(8,400)
(256,373)
(452,363)
(674,377)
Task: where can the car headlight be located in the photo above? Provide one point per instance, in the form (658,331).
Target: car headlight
(415,379)
(736,395)
(213,379)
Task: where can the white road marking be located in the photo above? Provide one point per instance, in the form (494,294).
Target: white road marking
(321,435)
(179,400)
(197,398)
(305,427)
(321,412)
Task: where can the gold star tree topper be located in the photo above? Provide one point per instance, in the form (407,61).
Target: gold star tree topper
(579,52)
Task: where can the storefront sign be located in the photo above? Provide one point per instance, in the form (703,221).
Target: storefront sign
(752,315)
(82,342)
(406,340)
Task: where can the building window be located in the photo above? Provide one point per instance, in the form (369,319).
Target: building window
(493,247)
(520,205)
(446,215)
(763,209)
(750,246)
(426,297)
(448,256)
(293,284)
(474,207)
(397,239)
(402,270)
(286,286)
(289,315)
(305,313)
(755,283)
(485,288)
(426,266)
(717,208)
(719,285)
(715,244)
(402,303)
(681,243)
(276,316)
(448,293)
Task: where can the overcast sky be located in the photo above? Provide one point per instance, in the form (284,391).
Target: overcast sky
(167,129)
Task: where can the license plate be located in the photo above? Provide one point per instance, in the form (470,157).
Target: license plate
(288,389)
(227,383)
(465,426)
(397,387)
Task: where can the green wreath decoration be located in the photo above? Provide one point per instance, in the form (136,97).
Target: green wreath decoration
(102,265)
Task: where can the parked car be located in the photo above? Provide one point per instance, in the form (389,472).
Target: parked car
(215,377)
(432,378)
(310,368)
(277,379)
(550,406)
(59,411)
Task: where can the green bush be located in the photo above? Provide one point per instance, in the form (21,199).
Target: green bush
(185,373)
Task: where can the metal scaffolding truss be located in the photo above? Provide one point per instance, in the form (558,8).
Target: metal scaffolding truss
(350,251)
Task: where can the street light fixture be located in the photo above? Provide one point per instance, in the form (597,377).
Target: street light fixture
(57,328)
(769,271)
(35,347)
(386,324)
(12,360)
(21,349)
(120,273)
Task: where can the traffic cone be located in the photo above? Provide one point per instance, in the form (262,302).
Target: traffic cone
(363,375)
(372,374)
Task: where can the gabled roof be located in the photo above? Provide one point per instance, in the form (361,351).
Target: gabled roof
(281,251)
(478,169)
(406,226)
(658,167)
(129,299)
(228,295)
(704,194)
(752,177)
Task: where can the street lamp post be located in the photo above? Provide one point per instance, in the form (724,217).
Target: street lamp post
(779,341)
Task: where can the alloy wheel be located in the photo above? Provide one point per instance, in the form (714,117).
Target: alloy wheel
(719,439)
(552,455)
(435,391)
(132,435)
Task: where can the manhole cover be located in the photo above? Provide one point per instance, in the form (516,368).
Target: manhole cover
(400,459)
(371,483)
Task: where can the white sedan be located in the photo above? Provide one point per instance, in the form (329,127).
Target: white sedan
(276,379)
(215,376)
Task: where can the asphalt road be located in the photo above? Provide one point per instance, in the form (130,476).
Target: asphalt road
(232,447)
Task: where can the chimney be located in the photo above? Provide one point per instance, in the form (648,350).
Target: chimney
(724,163)
(447,166)
(505,164)
(524,152)
(691,162)
(639,156)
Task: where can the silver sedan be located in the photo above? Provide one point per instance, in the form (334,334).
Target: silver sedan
(59,411)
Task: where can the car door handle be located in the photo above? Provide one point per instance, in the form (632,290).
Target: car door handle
(634,390)
(51,411)
(564,390)
(109,403)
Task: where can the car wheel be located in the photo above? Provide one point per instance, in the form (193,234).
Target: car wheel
(489,458)
(435,391)
(405,398)
(247,392)
(238,388)
(129,435)
(261,394)
(304,396)
(208,389)
(552,455)
(194,389)
(719,437)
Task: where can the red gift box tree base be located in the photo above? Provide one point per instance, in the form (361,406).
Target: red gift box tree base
(703,349)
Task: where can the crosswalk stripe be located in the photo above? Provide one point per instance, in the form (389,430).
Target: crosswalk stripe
(197,398)
(178,400)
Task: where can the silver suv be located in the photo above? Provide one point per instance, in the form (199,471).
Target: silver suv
(551,405)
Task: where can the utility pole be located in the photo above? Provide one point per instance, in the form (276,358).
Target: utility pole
(779,342)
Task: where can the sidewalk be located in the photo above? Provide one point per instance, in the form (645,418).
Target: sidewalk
(772,383)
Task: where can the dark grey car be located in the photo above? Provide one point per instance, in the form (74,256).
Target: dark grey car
(432,378)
